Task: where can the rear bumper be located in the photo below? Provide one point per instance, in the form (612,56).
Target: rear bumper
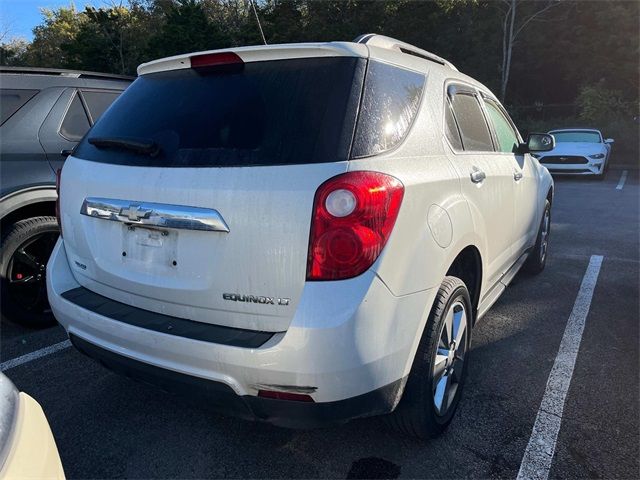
(222,398)
(349,347)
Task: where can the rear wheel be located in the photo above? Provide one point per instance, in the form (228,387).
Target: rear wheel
(434,386)
(538,256)
(26,247)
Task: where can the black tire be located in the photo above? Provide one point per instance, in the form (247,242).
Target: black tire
(537,259)
(27,245)
(417,414)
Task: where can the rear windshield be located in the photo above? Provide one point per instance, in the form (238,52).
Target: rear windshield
(269,113)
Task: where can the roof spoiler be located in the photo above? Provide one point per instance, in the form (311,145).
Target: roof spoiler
(389,43)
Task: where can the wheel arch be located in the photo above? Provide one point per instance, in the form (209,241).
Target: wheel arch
(27,203)
(467,266)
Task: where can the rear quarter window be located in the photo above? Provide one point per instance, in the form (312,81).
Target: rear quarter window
(12,100)
(75,122)
(98,101)
(390,102)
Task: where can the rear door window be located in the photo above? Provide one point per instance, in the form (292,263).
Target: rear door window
(98,101)
(12,100)
(389,105)
(473,126)
(278,112)
(508,141)
(75,122)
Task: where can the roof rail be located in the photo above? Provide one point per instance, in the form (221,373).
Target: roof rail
(393,44)
(64,73)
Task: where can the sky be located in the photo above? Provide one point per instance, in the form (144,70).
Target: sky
(18,17)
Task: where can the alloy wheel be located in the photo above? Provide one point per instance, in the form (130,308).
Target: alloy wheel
(544,240)
(26,272)
(450,355)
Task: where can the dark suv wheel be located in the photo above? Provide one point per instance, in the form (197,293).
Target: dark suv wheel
(26,247)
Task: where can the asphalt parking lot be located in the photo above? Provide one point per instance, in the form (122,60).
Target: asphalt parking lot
(107,426)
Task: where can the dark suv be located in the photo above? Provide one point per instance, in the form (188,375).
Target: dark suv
(43,115)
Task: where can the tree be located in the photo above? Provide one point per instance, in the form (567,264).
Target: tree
(58,27)
(518,15)
(531,51)
(186,28)
(13,52)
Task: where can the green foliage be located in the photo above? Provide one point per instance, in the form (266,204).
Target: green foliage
(185,28)
(57,28)
(609,110)
(107,41)
(596,107)
(599,104)
(13,52)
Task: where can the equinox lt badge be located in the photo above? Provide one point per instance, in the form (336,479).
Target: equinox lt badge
(234,297)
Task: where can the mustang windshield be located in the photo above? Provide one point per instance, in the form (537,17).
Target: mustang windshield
(581,136)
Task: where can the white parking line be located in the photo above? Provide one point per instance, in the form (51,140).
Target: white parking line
(623,178)
(538,455)
(43,352)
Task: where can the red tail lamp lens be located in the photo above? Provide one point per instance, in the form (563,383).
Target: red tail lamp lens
(209,60)
(296,397)
(353,216)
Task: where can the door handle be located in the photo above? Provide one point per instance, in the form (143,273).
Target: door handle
(517,176)
(477,175)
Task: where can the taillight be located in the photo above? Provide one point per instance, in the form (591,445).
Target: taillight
(58,217)
(353,216)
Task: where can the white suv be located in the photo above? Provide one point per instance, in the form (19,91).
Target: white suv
(302,233)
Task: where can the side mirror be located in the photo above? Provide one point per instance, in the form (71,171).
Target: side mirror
(609,140)
(538,142)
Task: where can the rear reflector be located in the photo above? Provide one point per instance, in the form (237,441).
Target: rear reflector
(296,397)
(208,60)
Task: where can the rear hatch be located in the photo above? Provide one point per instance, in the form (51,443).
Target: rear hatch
(192,196)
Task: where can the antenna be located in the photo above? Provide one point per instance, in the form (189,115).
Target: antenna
(255,12)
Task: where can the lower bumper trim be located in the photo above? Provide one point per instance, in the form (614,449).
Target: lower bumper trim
(159,322)
(571,171)
(222,398)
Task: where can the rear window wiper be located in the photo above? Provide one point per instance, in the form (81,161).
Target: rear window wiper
(141,147)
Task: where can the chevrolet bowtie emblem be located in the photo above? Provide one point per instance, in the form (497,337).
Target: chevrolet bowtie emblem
(135,213)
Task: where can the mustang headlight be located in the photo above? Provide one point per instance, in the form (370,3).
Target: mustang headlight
(597,156)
